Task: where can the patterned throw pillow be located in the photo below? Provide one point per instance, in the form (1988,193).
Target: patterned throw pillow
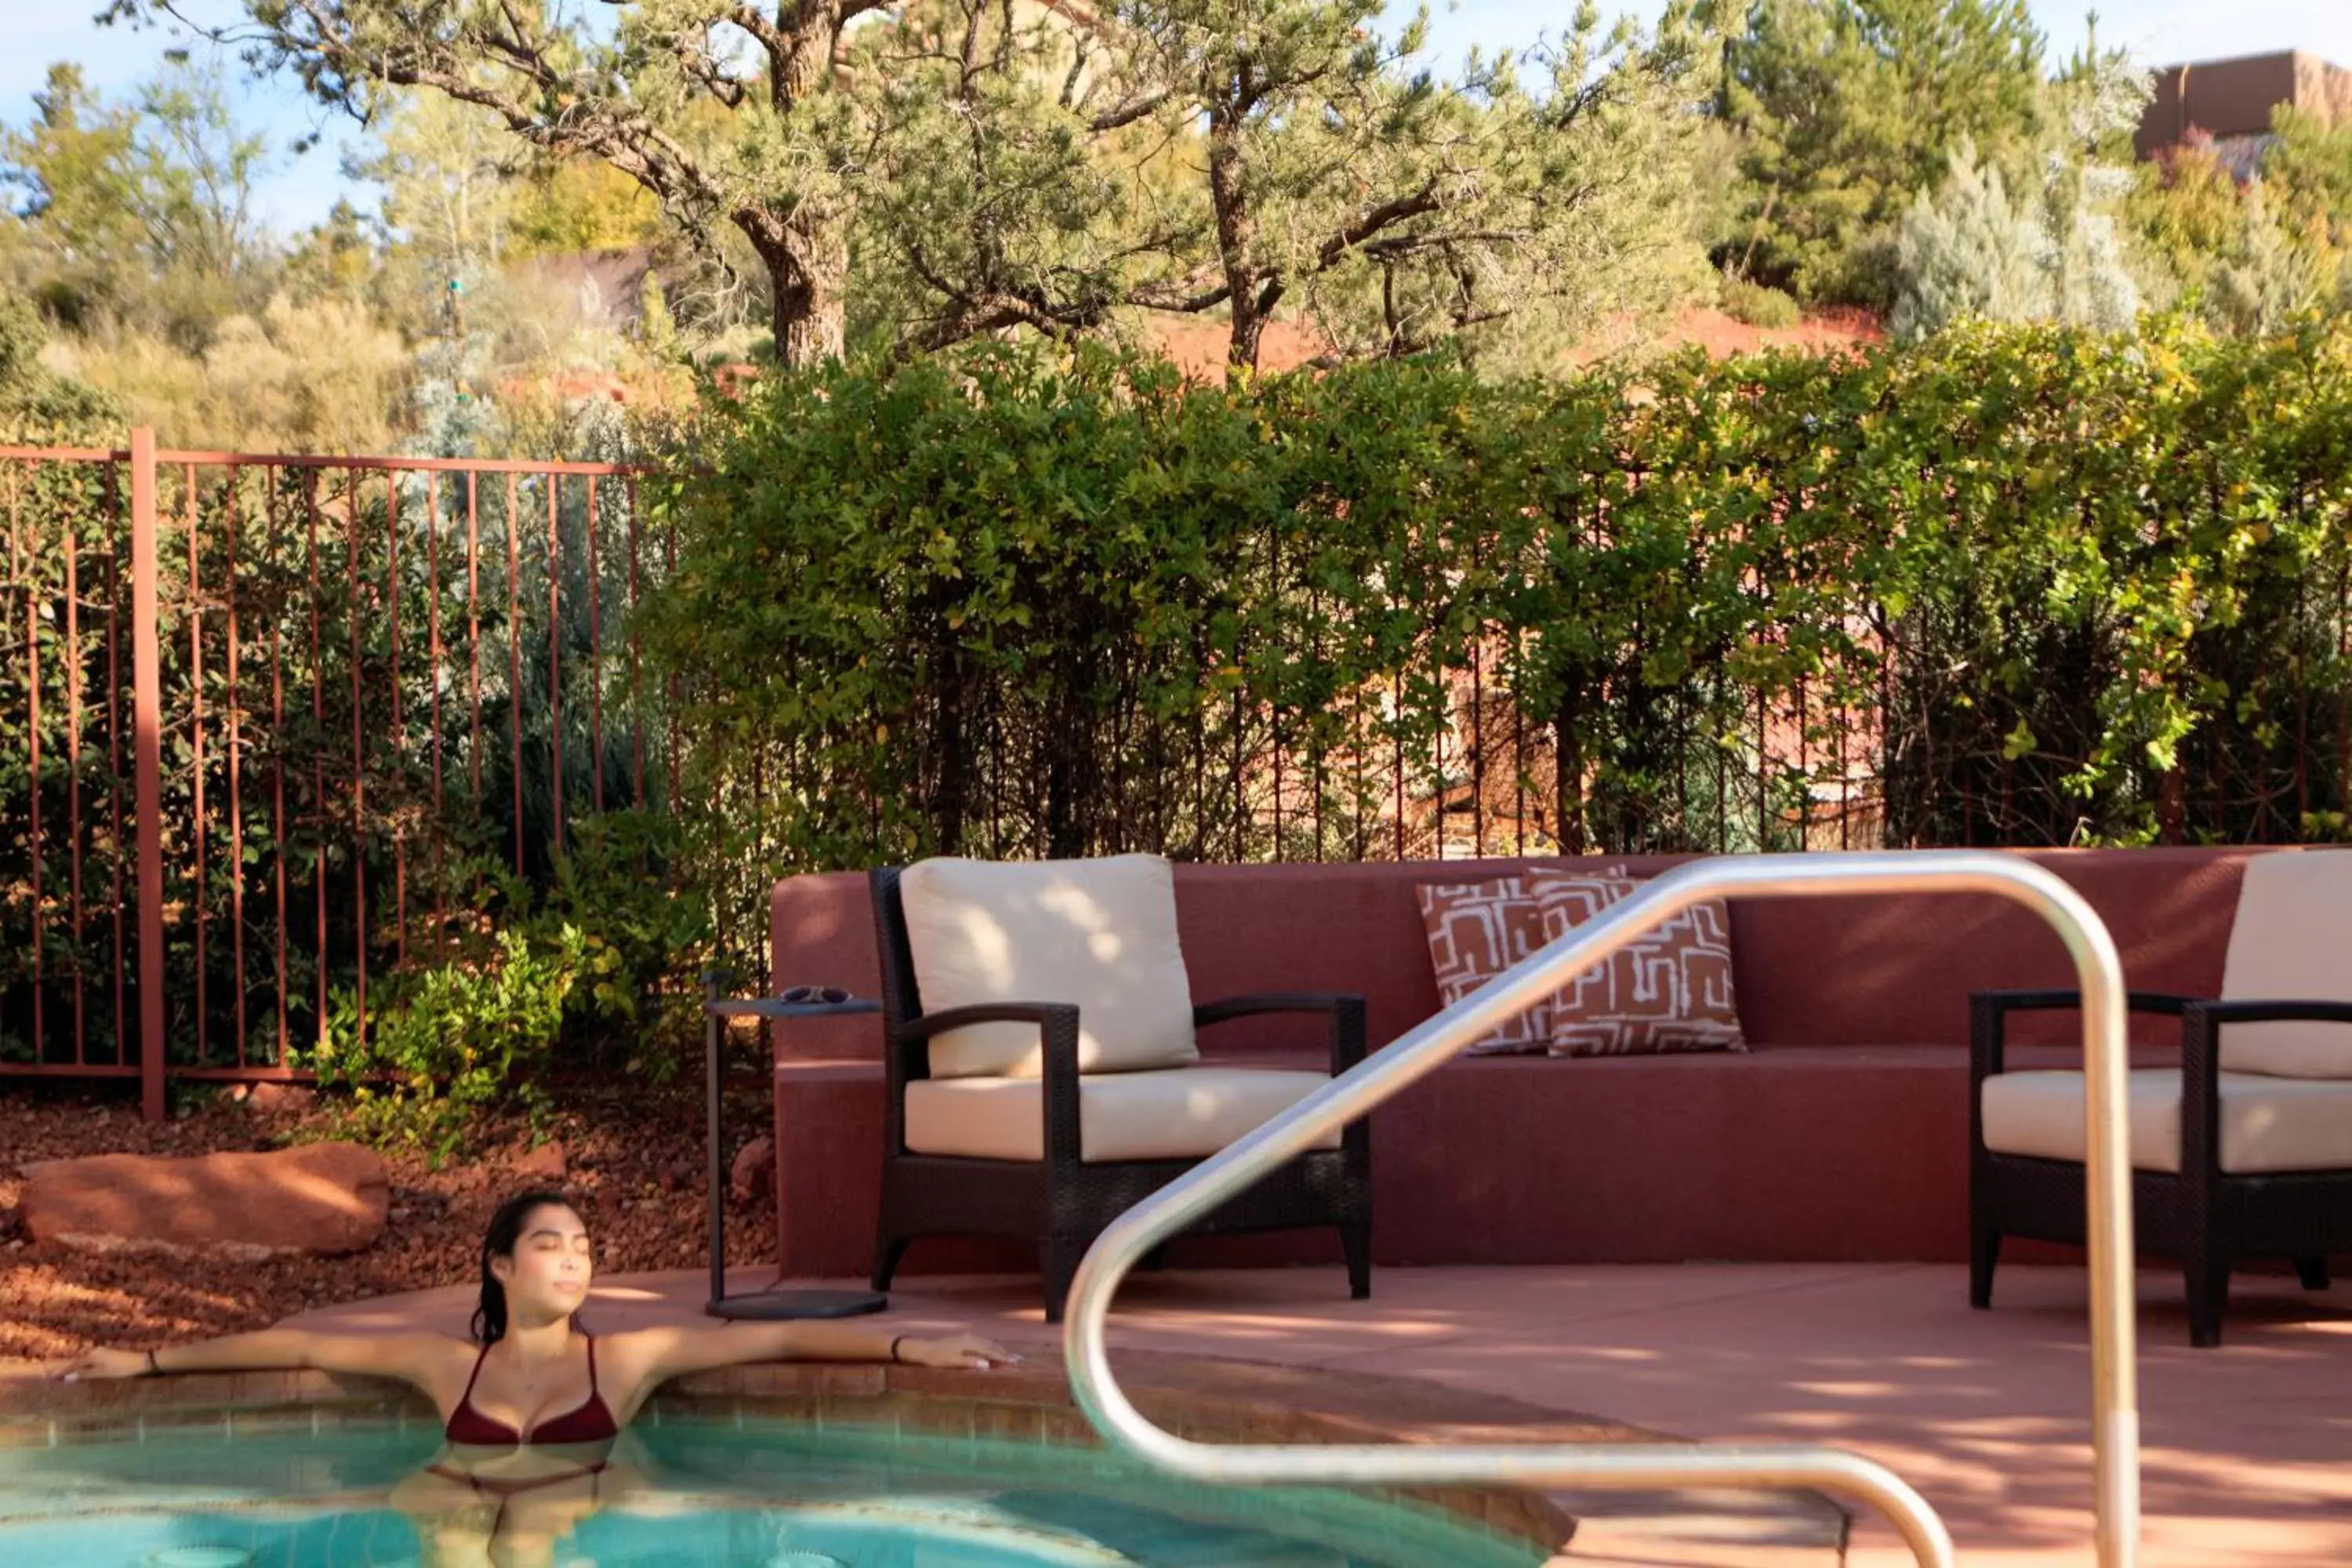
(1478,930)
(1670,990)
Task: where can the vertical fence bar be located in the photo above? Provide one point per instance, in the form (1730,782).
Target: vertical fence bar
(669,568)
(2344,689)
(1397,718)
(433,674)
(514,656)
(474,641)
(235,771)
(554,665)
(146,676)
(114,753)
(1477,748)
(196,742)
(17,569)
(1519,766)
(318,757)
(271,501)
(359,755)
(73,778)
(595,669)
(2302,717)
(1438,803)
(399,737)
(1240,812)
(636,688)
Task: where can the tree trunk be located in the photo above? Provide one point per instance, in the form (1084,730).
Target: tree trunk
(809,318)
(806,250)
(1236,232)
(807,262)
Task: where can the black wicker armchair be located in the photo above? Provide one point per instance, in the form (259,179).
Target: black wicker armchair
(1059,1199)
(2203,1212)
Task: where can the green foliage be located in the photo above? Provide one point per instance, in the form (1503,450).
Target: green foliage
(37,405)
(2051,254)
(444,1044)
(1850,107)
(141,208)
(1269,159)
(1759,304)
(594,970)
(1062,604)
(2251,257)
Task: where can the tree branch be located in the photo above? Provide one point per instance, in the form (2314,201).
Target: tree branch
(1126,113)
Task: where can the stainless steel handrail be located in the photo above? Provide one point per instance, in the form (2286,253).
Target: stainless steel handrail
(1424,1048)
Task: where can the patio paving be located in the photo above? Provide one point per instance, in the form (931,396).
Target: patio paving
(2245,1447)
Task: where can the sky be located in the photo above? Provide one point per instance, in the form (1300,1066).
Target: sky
(300,190)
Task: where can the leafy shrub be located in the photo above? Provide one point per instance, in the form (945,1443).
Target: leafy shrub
(2032,585)
(598,969)
(1759,304)
(442,1044)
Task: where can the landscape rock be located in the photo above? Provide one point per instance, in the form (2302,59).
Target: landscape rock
(286,1097)
(544,1163)
(316,1199)
(754,1174)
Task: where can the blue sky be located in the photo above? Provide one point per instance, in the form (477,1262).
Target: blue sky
(34,32)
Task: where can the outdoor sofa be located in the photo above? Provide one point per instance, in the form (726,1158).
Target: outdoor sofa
(1842,1132)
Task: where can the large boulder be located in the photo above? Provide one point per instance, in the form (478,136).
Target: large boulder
(315,1198)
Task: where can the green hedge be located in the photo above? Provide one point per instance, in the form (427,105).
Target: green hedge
(2016,585)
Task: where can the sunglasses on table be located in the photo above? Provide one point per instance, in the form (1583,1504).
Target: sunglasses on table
(825,995)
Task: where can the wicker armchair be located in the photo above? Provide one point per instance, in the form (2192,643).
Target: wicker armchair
(2243,1152)
(1051,1152)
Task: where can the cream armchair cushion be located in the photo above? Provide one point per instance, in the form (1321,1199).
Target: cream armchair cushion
(1098,935)
(2268,1124)
(2287,945)
(1185,1113)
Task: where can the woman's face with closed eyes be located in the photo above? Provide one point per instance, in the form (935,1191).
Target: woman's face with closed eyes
(549,1273)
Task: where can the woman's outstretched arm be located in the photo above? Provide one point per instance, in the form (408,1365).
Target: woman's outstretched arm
(656,1355)
(412,1357)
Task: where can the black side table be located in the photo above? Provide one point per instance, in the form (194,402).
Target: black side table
(770,1305)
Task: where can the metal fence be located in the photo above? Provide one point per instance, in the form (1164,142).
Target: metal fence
(267,723)
(258,701)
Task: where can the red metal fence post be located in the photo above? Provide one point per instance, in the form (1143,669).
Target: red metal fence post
(147,702)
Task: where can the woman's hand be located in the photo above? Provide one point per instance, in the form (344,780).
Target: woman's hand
(956,1350)
(104,1364)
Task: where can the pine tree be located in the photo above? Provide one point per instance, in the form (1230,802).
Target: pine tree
(2052,251)
(1846,108)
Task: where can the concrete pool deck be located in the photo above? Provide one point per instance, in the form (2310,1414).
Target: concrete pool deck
(2247,1450)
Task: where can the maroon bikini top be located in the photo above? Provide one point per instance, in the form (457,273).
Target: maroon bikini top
(591,1422)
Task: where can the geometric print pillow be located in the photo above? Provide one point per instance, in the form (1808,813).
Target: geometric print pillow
(1477,931)
(1670,990)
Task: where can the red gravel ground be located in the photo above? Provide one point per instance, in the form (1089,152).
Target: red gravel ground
(634,1158)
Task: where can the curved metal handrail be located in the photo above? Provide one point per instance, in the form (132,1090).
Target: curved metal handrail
(1424,1048)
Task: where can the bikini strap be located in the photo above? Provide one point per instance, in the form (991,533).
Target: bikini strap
(591,1366)
(467,1397)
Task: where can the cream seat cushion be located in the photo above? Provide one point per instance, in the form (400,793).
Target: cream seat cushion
(1100,934)
(1183,1114)
(2267,1124)
(2287,945)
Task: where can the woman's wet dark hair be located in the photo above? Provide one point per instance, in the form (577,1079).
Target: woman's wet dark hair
(499,1241)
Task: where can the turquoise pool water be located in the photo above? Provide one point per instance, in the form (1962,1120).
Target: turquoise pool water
(699,1494)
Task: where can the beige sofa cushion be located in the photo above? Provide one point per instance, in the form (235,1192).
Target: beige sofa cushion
(1185,1113)
(1100,934)
(2267,1124)
(2287,945)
